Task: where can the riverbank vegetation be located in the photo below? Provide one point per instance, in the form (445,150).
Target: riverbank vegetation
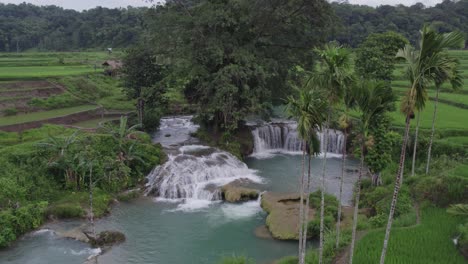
(45,175)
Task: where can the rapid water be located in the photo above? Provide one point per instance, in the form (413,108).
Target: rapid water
(182,219)
(282,137)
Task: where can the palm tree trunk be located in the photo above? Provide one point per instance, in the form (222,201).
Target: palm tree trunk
(91,199)
(356,204)
(398,181)
(432,131)
(301,208)
(322,190)
(306,212)
(343,163)
(413,164)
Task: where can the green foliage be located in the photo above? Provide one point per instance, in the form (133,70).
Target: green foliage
(230,71)
(430,242)
(236,260)
(66,211)
(313,227)
(12,194)
(10,111)
(331,203)
(375,57)
(56,101)
(27,26)
(16,222)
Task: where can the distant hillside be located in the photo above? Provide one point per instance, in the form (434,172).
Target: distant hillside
(51,28)
(359,21)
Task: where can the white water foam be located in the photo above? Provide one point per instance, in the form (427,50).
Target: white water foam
(282,138)
(92,252)
(194,177)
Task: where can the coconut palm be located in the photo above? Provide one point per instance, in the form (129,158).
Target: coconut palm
(425,66)
(456,82)
(333,75)
(372,99)
(415,143)
(309,110)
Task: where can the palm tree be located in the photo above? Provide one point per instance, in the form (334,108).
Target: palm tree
(424,67)
(456,82)
(373,99)
(415,144)
(309,110)
(333,75)
(344,125)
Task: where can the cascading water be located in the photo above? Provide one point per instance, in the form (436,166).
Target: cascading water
(197,173)
(192,172)
(274,137)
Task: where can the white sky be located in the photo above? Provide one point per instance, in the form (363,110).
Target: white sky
(87,4)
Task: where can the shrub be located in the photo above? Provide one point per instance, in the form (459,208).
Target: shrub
(442,191)
(378,220)
(313,227)
(66,211)
(10,111)
(331,203)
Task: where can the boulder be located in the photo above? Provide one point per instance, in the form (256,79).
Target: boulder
(106,239)
(236,191)
(283,214)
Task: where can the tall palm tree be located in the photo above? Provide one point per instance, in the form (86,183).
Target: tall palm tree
(332,75)
(309,110)
(415,143)
(373,99)
(456,82)
(424,67)
(345,122)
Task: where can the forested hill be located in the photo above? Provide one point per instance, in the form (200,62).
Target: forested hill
(359,21)
(27,26)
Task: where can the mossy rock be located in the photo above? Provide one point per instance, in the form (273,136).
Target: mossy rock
(234,192)
(283,215)
(106,239)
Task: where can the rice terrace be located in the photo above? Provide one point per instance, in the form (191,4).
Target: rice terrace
(234,132)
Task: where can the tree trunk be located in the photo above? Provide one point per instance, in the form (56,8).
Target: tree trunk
(301,208)
(398,181)
(141,110)
(343,163)
(91,199)
(356,204)
(413,164)
(432,131)
(322,190)
(306,212)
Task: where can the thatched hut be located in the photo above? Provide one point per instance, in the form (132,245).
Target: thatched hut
(112,67)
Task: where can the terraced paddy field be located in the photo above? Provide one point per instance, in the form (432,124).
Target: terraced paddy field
(453,105)
(38,86)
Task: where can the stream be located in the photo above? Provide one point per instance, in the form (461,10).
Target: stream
(182,219)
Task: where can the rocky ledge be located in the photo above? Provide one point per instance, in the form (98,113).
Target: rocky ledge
(283,214)
(237,191)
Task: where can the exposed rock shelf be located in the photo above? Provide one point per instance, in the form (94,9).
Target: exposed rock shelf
(283,214)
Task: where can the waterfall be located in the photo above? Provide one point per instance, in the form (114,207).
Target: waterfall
(276,137)
(197,173)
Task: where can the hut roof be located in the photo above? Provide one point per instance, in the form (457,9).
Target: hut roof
(113,64)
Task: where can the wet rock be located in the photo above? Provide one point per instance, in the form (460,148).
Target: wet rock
(283,215)
(75,233)
(106,239)
(237,192)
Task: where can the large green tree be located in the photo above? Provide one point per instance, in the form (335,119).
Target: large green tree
(375,57)
(234,56)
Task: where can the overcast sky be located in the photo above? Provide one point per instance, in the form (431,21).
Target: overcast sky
(87,4)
